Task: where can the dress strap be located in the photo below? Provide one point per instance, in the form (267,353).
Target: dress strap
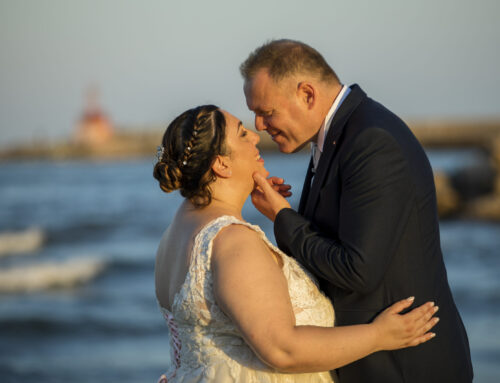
(176,345)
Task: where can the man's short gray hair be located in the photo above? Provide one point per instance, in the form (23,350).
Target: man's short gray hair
(283,58)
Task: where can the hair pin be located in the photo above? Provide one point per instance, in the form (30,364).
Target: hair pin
(160,150)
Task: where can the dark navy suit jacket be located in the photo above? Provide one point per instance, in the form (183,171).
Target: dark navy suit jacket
(368,228)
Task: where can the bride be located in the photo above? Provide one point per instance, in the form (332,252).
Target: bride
(238,309)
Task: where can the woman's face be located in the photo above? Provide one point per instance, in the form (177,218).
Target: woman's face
(244,155)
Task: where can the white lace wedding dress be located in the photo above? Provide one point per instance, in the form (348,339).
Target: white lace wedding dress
(205,344)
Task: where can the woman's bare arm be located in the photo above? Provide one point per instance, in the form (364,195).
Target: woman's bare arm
(251,289)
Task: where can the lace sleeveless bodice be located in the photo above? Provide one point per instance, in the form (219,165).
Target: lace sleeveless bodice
(206,346)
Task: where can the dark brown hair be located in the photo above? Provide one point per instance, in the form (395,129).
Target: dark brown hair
(283,58)
(189,147)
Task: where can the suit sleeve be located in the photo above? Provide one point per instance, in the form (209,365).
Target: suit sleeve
(375,205)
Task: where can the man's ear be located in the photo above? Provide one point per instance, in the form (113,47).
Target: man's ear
(222,167)
(306,94)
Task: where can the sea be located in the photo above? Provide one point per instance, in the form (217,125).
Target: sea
(77,247)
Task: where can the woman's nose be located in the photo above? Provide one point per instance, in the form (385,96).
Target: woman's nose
(256,138)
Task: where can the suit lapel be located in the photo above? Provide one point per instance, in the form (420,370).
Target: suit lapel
(330,147)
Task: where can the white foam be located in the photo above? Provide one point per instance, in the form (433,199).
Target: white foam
(65,274)
(21,242)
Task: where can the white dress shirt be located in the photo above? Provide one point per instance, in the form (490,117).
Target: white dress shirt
(317,147)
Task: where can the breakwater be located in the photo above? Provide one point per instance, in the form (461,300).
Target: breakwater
(472,191)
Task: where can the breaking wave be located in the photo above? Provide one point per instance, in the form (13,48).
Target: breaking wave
(21,242)
(53,275)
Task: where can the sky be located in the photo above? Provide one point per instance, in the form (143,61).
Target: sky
(151,60)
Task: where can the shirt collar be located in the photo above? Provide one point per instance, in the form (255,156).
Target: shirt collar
(325,126)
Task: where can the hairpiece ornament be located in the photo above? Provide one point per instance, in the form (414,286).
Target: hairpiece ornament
(160,150)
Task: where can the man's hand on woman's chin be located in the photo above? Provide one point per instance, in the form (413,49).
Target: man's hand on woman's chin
(269,195)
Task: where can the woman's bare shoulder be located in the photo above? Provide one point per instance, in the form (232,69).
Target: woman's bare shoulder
(236,236)
(245,242)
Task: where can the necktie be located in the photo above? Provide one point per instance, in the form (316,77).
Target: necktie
(316,154)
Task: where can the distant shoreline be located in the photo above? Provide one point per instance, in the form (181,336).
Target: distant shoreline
(129,143)
(472,193)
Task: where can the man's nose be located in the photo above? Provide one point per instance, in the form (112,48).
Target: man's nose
(259,123)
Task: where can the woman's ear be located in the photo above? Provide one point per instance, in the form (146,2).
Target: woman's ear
(222,167)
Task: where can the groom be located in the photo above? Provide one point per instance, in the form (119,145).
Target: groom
(367,224)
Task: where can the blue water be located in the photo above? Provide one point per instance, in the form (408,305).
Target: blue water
(108,328)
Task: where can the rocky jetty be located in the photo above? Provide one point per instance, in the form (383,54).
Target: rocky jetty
(487,205)
(449,201)
(474,191)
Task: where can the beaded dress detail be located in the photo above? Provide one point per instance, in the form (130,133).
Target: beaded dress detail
(205,344)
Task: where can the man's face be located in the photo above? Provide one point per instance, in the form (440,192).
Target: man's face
(281,110)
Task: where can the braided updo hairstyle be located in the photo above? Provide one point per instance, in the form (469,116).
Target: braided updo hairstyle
(189,147)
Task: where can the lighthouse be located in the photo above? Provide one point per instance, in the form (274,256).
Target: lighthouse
(94,127)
